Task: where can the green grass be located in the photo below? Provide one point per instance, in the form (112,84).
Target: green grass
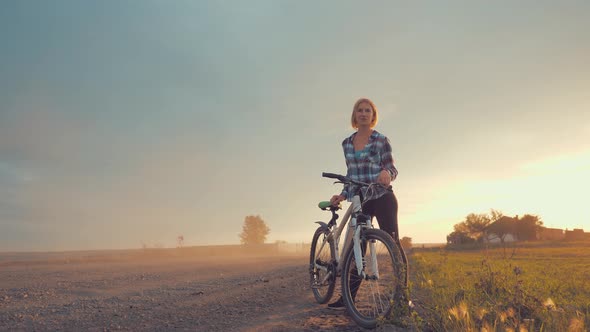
(532,287)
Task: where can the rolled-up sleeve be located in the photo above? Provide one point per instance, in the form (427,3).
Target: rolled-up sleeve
(345,189)
(387,162)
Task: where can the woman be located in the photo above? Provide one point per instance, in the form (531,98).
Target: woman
(369,159)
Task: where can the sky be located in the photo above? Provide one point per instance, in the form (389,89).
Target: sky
(129,123)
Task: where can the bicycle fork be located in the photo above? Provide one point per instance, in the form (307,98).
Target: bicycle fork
(366,265)
(369,261)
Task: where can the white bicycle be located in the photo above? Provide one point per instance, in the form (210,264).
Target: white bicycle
(370,263)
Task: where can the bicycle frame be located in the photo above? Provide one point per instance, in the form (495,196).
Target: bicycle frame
(353,237)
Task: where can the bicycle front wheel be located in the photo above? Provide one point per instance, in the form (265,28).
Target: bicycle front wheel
(371,297)
(322,268)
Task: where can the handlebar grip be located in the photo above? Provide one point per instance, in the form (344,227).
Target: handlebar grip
(334,176)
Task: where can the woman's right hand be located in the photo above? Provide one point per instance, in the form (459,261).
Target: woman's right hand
(336,199)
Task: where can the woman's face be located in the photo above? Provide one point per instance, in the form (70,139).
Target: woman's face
(363,114)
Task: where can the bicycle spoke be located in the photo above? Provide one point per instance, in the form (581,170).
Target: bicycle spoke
(321,267)
(371,297)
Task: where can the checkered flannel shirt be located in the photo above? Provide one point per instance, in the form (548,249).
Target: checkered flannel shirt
(367,164)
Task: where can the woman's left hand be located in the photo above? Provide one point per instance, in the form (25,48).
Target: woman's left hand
(384,178)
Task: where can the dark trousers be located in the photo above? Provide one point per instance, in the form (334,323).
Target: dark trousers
(384,209)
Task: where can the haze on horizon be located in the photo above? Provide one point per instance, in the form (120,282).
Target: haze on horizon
(124,123)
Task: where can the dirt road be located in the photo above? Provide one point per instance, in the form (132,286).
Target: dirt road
(163,293)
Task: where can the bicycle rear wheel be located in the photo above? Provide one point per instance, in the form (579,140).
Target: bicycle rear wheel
(372,298)
(322,269)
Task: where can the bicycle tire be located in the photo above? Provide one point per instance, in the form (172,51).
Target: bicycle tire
(374,299)
(322,289)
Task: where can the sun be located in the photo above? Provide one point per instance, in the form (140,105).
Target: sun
(554,189)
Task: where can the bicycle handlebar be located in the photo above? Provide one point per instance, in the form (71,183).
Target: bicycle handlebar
(334,176)
(344,179)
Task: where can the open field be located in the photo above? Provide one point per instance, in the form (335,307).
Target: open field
(161,290)
(527,287)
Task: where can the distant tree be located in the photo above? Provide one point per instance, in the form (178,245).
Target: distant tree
(528,227)
(472,229)
(406,242)
(254,231)
(476,224)
(473,226)
(180,241)
(459,237)
(495,215)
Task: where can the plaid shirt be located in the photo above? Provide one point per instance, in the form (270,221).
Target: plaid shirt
(365,165)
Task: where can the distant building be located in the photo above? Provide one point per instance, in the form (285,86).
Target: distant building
(577,234)
(495,238)
(551,234)
(501,231)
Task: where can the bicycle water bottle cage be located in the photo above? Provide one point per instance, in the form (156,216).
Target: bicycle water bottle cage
(326,205)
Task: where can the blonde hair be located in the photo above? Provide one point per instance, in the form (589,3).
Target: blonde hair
(356,105)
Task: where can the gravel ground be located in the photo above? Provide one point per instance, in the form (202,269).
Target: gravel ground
(163,294)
